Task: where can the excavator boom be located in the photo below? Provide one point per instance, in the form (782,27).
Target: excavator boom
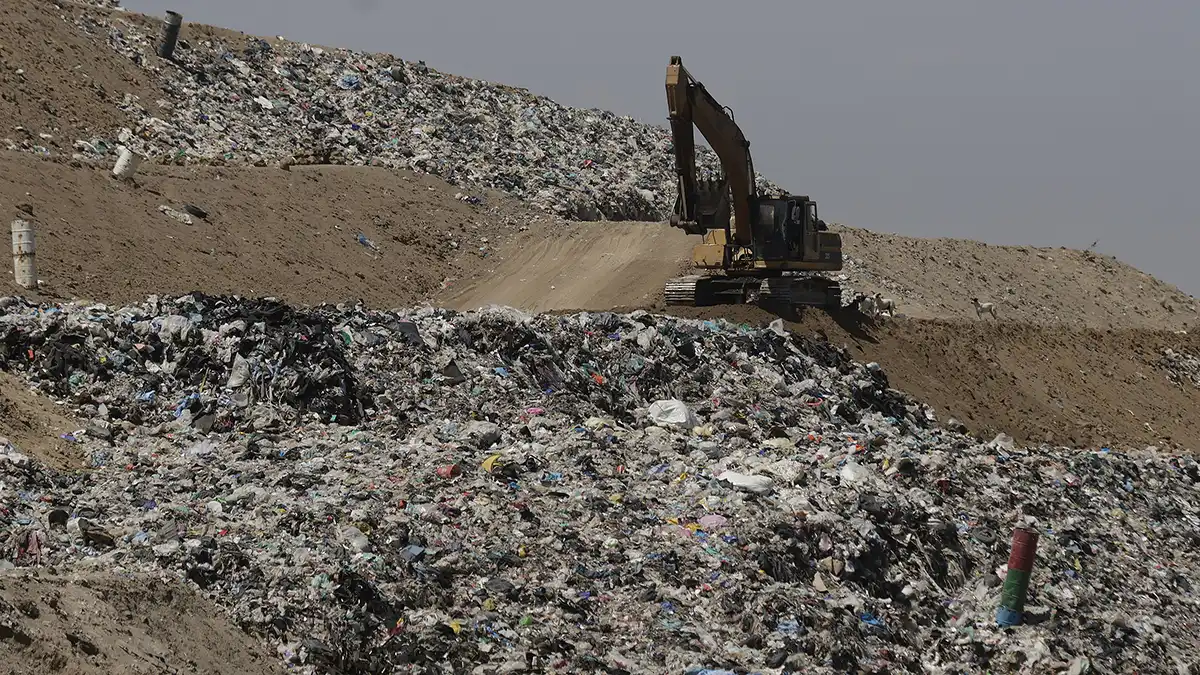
(692,107)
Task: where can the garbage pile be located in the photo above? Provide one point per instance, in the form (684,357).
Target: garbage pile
(491,492)
(1181,367)
(261,103)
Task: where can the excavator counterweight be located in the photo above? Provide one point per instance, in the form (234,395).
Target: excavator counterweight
(753,245)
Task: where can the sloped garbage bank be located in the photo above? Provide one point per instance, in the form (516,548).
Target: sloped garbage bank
(240,100)
(431,491)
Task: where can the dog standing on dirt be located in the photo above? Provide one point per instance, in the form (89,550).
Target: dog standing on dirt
(865,305)
(982,308)
(883,304)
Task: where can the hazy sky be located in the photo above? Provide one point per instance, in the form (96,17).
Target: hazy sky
(1021,122)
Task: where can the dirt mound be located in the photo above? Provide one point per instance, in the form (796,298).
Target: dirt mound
(35,425)
(936,279)
(290,234)
(55,80)
(581,266)
(599,266)
(1076,387)
(101,623)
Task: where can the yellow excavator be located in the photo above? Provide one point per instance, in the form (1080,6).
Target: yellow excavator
(757,248)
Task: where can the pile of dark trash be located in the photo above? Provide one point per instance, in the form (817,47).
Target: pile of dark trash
(255,102)
(493,492)
(1182,368)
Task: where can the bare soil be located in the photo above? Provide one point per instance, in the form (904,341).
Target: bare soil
(268,232)
(581,265)
(56,80)
(35,425)
(936,279)
(85,624)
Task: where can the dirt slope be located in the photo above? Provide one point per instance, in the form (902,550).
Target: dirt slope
(596,266)
(582,265)
(291,234)
(35,425)
(936,278)
(1077,387)
(101,624)
(67,86)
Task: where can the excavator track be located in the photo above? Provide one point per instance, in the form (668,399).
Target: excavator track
(681,291)
(773,293)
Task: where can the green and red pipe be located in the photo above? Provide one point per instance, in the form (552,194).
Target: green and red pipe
(1016,583)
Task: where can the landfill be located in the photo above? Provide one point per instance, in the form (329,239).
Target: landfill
(279,103)
(429,491)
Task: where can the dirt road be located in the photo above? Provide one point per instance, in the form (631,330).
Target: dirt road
(582,266)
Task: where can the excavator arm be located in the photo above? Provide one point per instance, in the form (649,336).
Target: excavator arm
(691,105)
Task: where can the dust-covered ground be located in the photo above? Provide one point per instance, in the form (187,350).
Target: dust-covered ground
(85,624)
(35,424)
(936,279)
(56,86)
(291,234)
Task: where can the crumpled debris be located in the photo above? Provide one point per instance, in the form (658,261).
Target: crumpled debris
(672,413)
(333,483)
(173,214)
(1181,367)
(263,103)
(367,243)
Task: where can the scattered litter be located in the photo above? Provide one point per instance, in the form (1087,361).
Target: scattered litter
(362,239)
(176,215)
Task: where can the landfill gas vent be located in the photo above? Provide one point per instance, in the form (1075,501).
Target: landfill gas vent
(170,34)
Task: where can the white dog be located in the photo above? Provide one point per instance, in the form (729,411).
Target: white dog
(982,308)
(865,304)
(883,304)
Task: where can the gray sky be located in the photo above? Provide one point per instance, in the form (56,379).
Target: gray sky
(1022,122)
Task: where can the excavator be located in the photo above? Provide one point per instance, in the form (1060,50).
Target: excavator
(756,248)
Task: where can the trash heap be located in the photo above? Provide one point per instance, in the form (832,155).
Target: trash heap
(491,492)
(1181,367)
(260,103)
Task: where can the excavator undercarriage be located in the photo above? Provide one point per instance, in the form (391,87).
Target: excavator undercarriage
(756,248)
(777,294)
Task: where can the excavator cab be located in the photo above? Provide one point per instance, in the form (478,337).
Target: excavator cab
(789,229)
